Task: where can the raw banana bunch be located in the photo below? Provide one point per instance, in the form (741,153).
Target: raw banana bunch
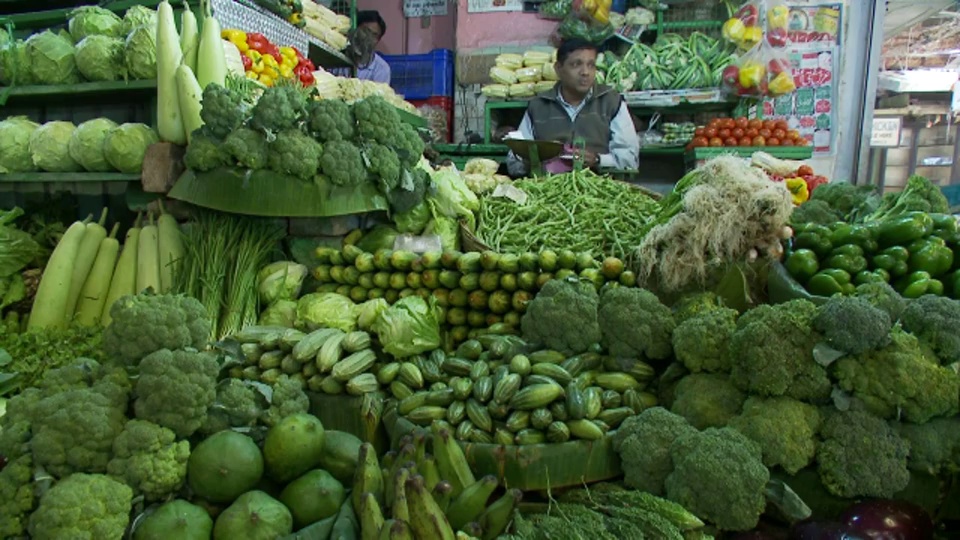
(416,494)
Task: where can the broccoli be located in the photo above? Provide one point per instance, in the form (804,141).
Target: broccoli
(693,305)
(331,120)
(563,316)
(815,211)
(934,321)
(148,459)
(881,295)
(342,163)
(408,145)
(205,153)
(853,325)
(934,446)
(288,399)
(175,389)
(919,195)
(16,496)
(238,404)
(15,424)
(295,153)
(772,353)
(707,400)
(785,429)
(412,191)
(248,147)
(634,324)
(377,120)
(898,380)
(861,456)
(280,108)
(702,342)
(82,507)
(643,442)
(223,110)
(718,474)
(385,164)
(146,323)
(844,198)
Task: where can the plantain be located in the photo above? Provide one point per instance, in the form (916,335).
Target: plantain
(451,462)
(399,509)
(442,493)
(371,517)
(496,517)
(427,520)
(368,477)
(471,502)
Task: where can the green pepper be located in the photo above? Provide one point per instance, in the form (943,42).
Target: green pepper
(823,284)
(914,284)
(852,250)
(802,264)
(884,262)
(867,276)
(850,234)
(932,258)
(849,263)
(841,276)
(849,289)
(905,229)
(870,246)
(954,283)
(899,269)
(899,253)
(883,274)
(818,243)
(935,287)
(944,224)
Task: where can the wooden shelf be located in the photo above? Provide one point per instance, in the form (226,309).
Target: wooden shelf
(52,17)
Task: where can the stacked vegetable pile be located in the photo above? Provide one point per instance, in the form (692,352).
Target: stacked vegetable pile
(798,177)
(18,250)
(266,63)
(522,75)
(480,175)
(288,10)
(330,86)
(98,46)
(326,25)
(674,62)
(726,132)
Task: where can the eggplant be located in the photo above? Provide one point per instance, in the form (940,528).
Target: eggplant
(824,530)
(885,519)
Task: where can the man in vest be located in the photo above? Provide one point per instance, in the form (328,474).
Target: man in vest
(579,108)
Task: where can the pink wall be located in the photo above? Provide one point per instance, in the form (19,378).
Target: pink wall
(406,36)
(478,30)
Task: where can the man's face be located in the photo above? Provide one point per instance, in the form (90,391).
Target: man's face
(374,29)
(579,71)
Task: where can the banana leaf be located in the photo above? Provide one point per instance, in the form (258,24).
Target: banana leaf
(781,287)
(344,413)
(269,194)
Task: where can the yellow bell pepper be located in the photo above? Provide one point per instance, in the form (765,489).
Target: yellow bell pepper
(751,73)
(286,72)
(602,15)
(288,52)
(252,75)
(782,84)
(241,46)
(266,80)
(778,17)
(232,34)
(751,36)
(269,60)
(733,29)
(253,55)
(590,6)
(798,190)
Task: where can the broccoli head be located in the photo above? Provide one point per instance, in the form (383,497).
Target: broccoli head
(772,352)
(295,153)
(815,211)
(83,507)
(853,325)
(342,163)
(205,153)
(934,321)
(385,164)
(223,110)
(718,474)
(919,195)
(563,316)
(149,459)
(643,442)
(634,324)
(377,120)
(331,120)
(248,147)
(861,456)
(899,381)
(695,304)
(844,198)
(785,429)
(288,399)
(146,323)
(934,446)
(280,108)
(408,145)
(702,342)
(16,496)
(881,295)
(176,388)
(238,404)
(707,400)
(414,185)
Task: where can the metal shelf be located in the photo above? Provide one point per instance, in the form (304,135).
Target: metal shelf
(72,177)
(51,17)
(87,88)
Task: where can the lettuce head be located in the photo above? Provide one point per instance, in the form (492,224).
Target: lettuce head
(52,59)
(138,16)
(14,64)
(140,52)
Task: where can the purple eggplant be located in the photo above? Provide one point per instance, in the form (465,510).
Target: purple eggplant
(884,519)
(824,530)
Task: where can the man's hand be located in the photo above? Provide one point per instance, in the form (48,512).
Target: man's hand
(590,159)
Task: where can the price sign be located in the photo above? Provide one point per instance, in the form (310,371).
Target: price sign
(424,8)
(886,132)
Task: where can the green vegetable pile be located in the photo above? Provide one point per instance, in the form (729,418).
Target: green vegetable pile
(674,62)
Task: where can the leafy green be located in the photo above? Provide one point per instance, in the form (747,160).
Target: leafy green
(49,147)
(17,248)
(126,145)
(94,21)
(140,52)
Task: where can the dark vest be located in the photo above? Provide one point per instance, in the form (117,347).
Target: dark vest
(550,122)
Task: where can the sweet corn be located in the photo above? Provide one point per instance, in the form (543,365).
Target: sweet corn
(503,75)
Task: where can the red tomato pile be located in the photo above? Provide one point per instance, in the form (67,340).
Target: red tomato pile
(804,172)
(722,132)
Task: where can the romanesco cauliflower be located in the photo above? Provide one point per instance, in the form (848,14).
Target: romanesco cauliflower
(148,458)
(175,389)
(82,507)
(342,163)
(146,323)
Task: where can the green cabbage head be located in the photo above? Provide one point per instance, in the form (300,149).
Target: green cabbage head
(52,59)
(86,144)
(49,147)
(126,144)
(15,135)
(14,64)
(138,16)
(140,52)
(94,21)
(100,58)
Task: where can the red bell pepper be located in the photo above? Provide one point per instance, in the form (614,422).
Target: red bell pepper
(777,37)
(307,78)
(814,181)
(749,14)
(247,62)
(308,63)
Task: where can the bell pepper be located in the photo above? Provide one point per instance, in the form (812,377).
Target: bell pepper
(815,238)
(857,235)
(749,14)
(932,256)
(266,79)
(953,282)
(782,84)
(802,264)
(849,263)
(232,34)
(935,287)
(867,276)
(241,46)
(733,29)
(307,79)
(828,282)
(893,260)
(752,35)
(905,229)
(778,17)
(257,41)
(247,62)
(777,37)
(945,226)
(257,64)
(751,73)
(813,182)
(913,285)
(798,190)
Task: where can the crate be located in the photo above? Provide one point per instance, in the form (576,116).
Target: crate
(438,112)
(422,76)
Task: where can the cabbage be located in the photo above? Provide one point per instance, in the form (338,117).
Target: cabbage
(454,198)
(94,21)
(4,37)
(14,64)
(52,59)
(15,135)
(448,229)
(369,312)
(326,310)
(138,16)
(100,58)
(409,327)
(126,145)
(280,313)
(381,237)
(413,220)
(49,147)
(140,52)
(280,281)
(86,144)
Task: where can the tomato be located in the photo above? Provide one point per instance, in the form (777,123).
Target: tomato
(743,122)
(804,170)
(782,124)
(769,124)
(765,133)
(801,142)
(780,133)
(759,141)
(699,142)
(745,141)
(715,123)
(716,141)
(710,133)
(723,119)
(699,132)
(752,132)
(724,133)
(738,133)
(729,123)
(731,141)
(786,142)
(773,141)
(793,134)
(756,124)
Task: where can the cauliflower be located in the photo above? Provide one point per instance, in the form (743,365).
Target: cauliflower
(16,496)
(148,459)
(223,110)
(899,381)
(702,342)
(288,399)
(934,446)
(295,153)
(205,153)
(146,323)
(853,325)
(342,163)
(175,389)
(772,353)
(934,320)
(707,400)
(331,120)
(563,316)
(718,475)
(881,295)
(861,456)
(238,404)
(643,442)
(82,507)
(785,429)
(279,108)
(248,147)
(377,120)
(634,324)
(385,164)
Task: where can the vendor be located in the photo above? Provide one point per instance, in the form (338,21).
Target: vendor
(364,40)
(579,108)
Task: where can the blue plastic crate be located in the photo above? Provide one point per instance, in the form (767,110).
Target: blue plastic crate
(422,76)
